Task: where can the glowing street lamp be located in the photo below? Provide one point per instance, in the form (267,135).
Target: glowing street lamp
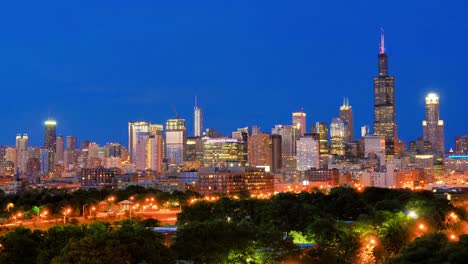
(412,214)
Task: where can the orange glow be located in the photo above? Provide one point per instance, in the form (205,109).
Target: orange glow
(422,227)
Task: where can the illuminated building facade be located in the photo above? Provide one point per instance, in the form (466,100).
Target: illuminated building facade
(433,127)
(176,139)
(461,145)
(299,120)
(346,114)
(321,128)
(59,152)
(154,148)
(338,131)
(194,149)
(308,153)
(50,134)
(197,120)
(135,132)
(98,177)
(289,136)
(219,151)
(384,104)
(259,150)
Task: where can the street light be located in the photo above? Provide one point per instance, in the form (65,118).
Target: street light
(412,214)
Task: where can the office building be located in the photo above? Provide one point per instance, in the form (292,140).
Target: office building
(176,139)
(289,136)
(461,144)
(219,152)
(197,120)
(59,151)
(384,103)
(276,153)
(321,128)
(299,120)
(433,127)
(338,131)
(346,114)
(50,134)
(135,131)
(308,153)
(259,150)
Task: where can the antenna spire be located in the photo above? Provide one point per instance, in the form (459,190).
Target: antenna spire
(196,105)
(382,41)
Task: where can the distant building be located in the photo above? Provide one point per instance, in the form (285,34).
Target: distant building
(461,145)
(322,129)
(323,176)
(98,177)
(384,103)
(218,152)
(308,153)
(230,181)
(259,150)
(299,121)
(197,120)
(59,151)
(384,178)
(346,114)
(338,132)
(135,131)
(289,136)
(433,127)
(176,139)
(194,149)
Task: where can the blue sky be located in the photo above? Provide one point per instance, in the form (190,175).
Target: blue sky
(95,65)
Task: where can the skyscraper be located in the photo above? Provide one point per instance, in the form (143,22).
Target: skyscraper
(299,120)
(433,127)
(197,120)
(321,128)
(259,150)
(134,131)
(289,136)
(384,103)
(154,148)
(346,114)
(59,154)
(308,153)
(176,139)
(338,131)
(50,134)
(461,144)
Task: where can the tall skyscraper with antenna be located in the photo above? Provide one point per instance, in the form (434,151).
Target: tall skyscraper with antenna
(197,120)
(346,114)
(384,103)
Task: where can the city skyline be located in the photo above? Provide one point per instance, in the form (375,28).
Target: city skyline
(237,80)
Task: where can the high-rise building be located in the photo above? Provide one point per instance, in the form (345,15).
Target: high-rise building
(197,120)
(59,152)
(50,137)
(259,150)
(50,134)
(308,153)
(276,157)
(384,103)
(194,149)
(71,142)
(176,138)
(154,148)
(346,114)
(22,155)
(433,127)
(338,131)
(289,136)
(44,160)
(321,128)
(219,152)
(135,130)
(299,120)
(461,144)
(374,145)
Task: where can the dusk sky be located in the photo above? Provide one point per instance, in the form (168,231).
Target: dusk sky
(95,65)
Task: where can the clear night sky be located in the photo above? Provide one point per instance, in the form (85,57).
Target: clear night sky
(95,66)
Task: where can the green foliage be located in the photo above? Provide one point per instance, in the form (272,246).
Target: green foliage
(131,242)
(434,248)
(299,238)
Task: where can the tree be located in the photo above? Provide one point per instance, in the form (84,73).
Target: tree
(20,246)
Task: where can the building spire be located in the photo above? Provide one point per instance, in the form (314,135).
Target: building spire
(382,41)
(196,105)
